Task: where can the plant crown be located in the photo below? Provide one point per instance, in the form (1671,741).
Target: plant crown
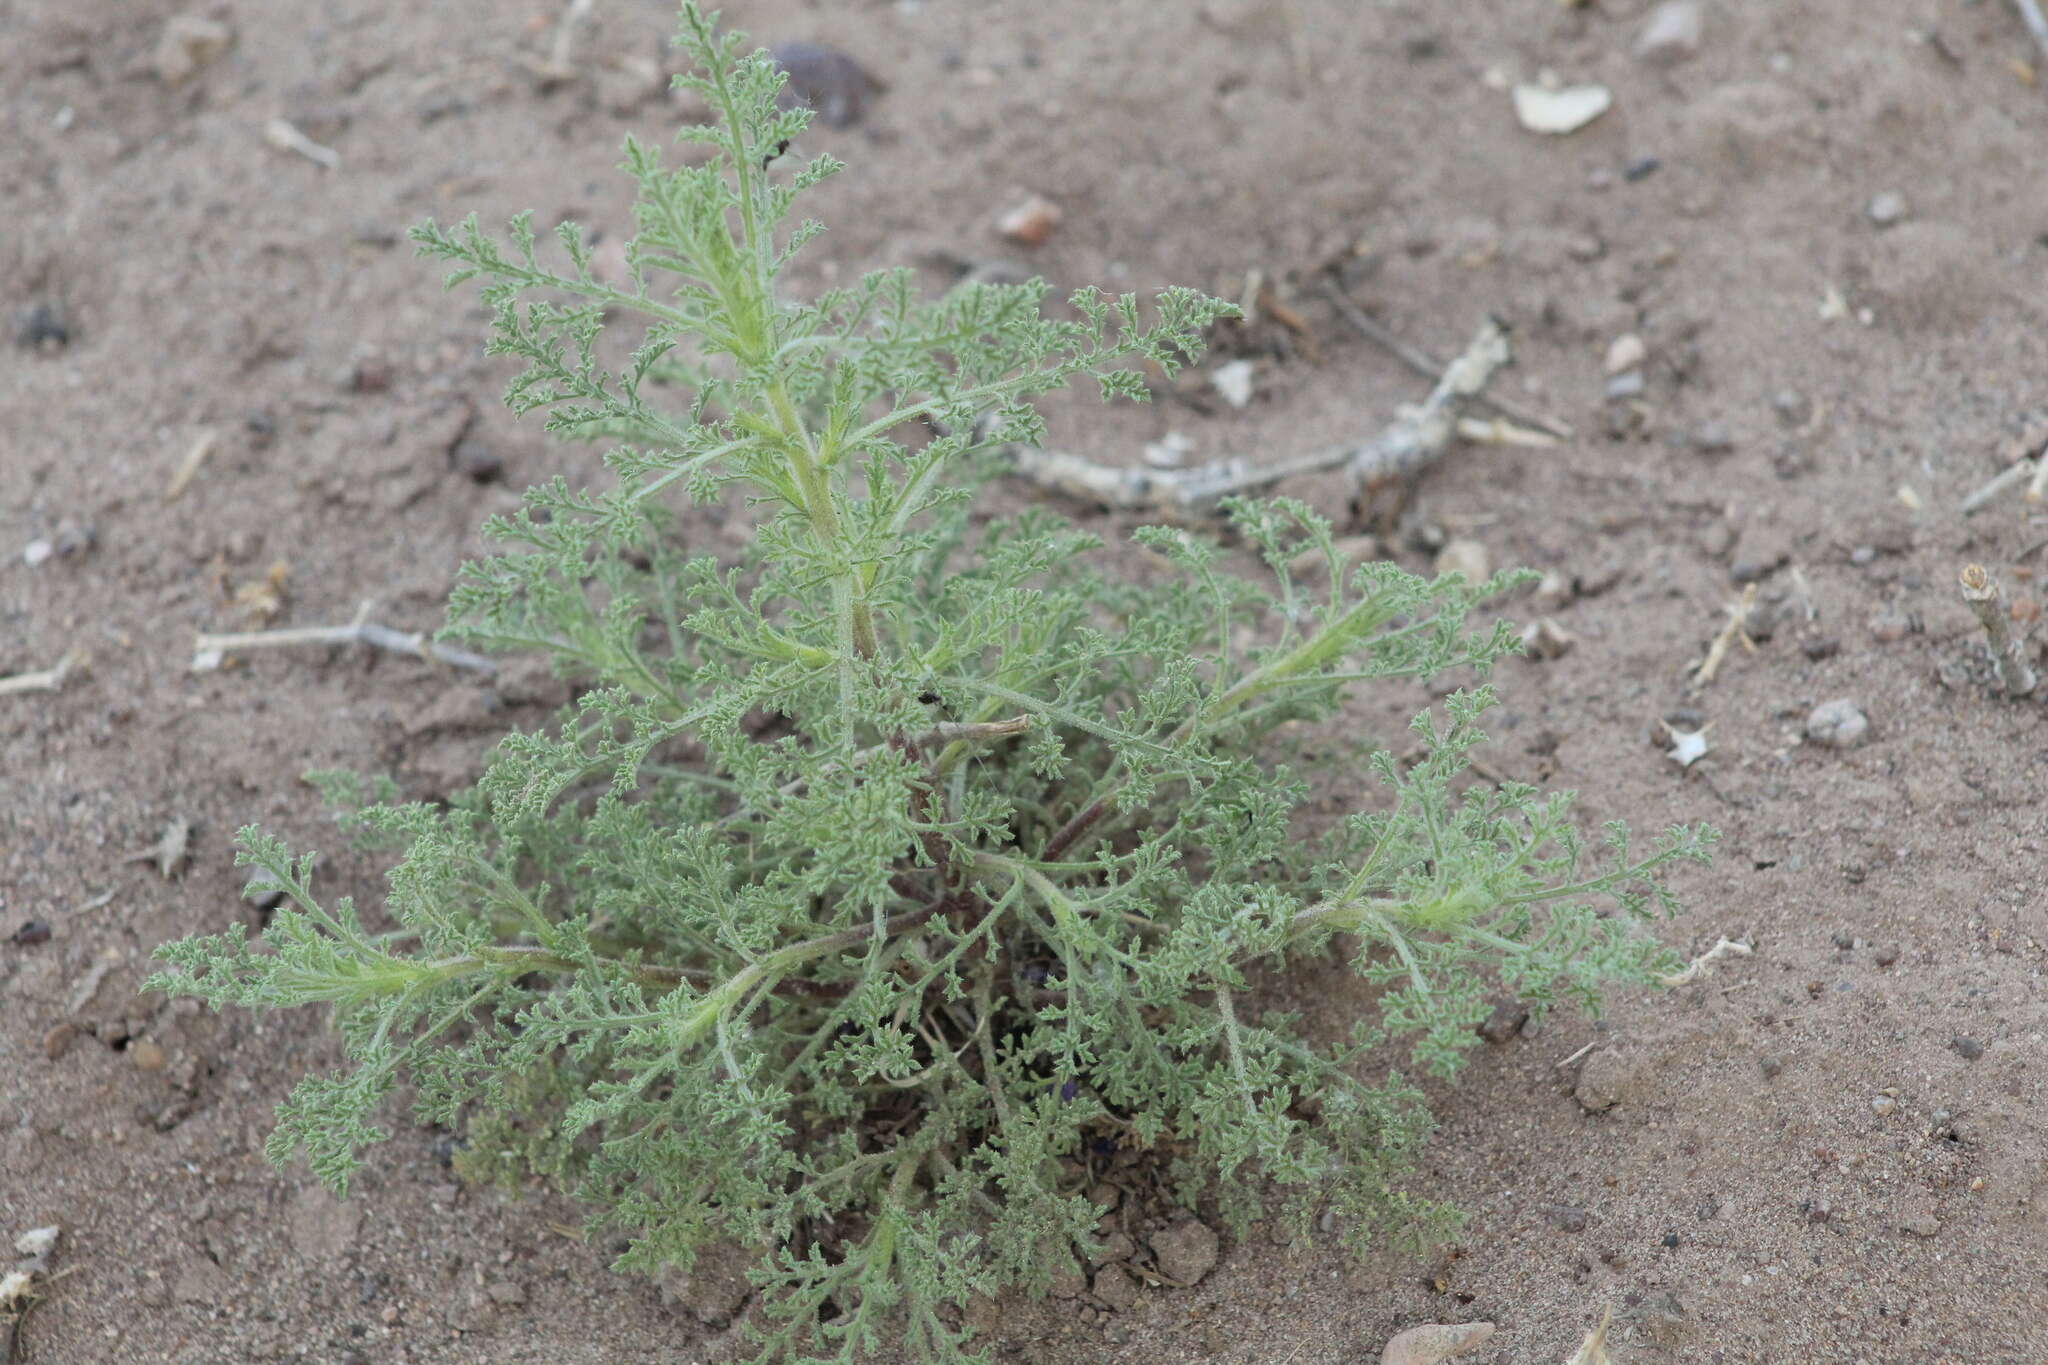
(882,883)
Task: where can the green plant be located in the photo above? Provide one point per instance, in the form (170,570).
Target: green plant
(878,880)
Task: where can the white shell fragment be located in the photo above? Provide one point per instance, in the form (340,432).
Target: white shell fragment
(1234,382)
(36,1241)
(1627,352)
(1687,746)
(1564,110)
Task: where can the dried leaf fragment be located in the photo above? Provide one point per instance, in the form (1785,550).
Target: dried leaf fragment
(189,42)
(172,850)
(264,598)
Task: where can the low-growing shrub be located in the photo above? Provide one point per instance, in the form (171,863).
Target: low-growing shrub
(880,881)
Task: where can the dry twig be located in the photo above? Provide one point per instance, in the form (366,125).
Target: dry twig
(1982,596)
(188,468)
(281,134)
(1593,1350)
(1424,364)
(1399,452)
(1704,963)
(209,651)
(2014,474)
(2037,23)
(44,679)
(556,68)
(1736,629)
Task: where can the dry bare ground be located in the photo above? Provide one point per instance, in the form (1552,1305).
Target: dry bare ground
(1829,1151)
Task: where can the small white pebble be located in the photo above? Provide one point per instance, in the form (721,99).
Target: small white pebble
(1887,208)
(1625,353)
(1838,724)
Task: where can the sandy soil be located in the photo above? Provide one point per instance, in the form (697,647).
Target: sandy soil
(1831,1151)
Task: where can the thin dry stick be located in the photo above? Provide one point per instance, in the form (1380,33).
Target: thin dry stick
(1704,963)
(43,679)
(1415,438)
(283,135)
(1981,595)
(1423,363)
(2014,474)
(1593,1350)
(209,650)
(188,468)
(2037,23)
(1576,1055)
(1735,629)
(2037,487)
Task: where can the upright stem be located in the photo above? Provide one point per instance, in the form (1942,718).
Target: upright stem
(1981,594)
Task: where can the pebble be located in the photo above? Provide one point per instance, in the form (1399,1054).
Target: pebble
(1887,955)
(369,374)
(1602,1081)
(1434,1342)
(1889,625)
(40,327)
(1770,1066)
(1625,386)
(1234,381)
(1115,1287)
(1887,208)
(1187,1249)
(824,79)
(1504,1022)
(58,1040)
(1565,1217)
(1642,168)
(1169,451)
(477,461)
(31,933)
(1671,35)
(1838,724)
(1546,639)
(1791,407)
(1969,1049)
(1468,558)
(1627,352)
(505,1293)
(146,1055)
(1713,438)
(1566,109)
(1031,222)
(189,43)
(1556,589)
(1884,1106)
